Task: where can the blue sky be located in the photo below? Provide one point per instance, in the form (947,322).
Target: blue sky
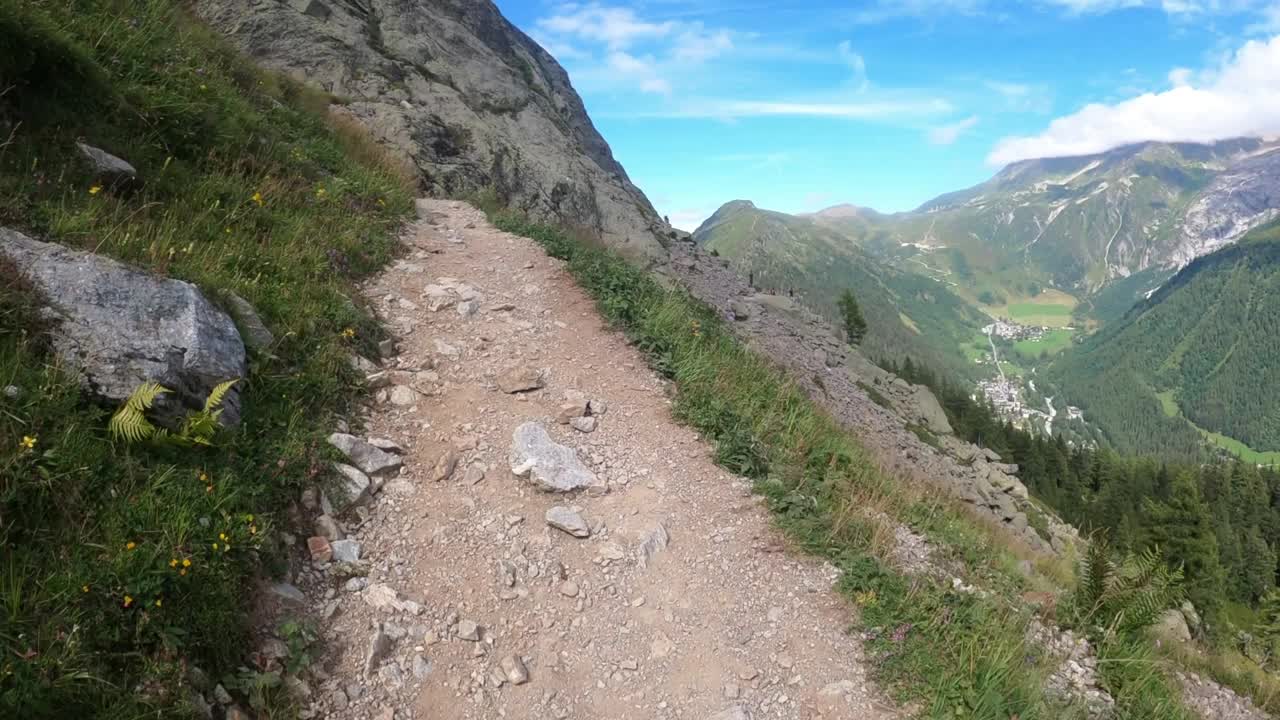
(802,104)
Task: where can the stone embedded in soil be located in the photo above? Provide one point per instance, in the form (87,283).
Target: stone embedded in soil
(353,486)
(379,647)
(549,465)
(583,424)
(346,551)
(328,528)
(653,541)
(445,466)
(571,410)
(369,459)
(468,630)
(569,521)
(403,395)
(513,667)
(519,380)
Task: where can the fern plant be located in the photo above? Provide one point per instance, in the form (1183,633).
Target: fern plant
(131,424)
(1125,597)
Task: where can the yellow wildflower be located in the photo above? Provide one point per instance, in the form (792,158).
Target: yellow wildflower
(28,442)
(257,197)
(173,562)
(215,546)
(227,230)
(204,478)
(159,603)
(84,588)
(183,573)
(320,192)
(226,548)
(95,189)
(128,600)
(382,203)
(222,536)
(349,333)
(186,563)
(130,545)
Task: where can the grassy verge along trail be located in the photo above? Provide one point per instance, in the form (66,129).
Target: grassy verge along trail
(121,566)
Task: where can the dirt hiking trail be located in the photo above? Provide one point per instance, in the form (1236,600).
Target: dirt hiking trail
(682,602)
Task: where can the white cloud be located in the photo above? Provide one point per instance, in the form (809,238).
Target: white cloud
(1239,98)
(612,47)
(948,134)
(856,63)
(868,110)
(616,27)
(641,71)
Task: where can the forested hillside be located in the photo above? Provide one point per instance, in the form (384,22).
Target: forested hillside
(1197,357)
(1218,521)
(907,313)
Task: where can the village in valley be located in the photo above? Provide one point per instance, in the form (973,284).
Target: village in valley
(1013,397)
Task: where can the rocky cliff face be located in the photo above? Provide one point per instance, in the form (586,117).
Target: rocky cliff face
(1243,197)
(468,97)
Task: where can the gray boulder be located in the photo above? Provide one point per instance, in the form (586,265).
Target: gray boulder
(930,411)
(1172,628)
(549,465)
(107,169)
(121,327)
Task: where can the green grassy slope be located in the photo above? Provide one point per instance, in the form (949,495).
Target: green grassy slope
(1205,342)
(907,314)
(120,565)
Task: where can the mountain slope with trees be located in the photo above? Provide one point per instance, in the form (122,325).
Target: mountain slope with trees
(906,313)
(1199,353)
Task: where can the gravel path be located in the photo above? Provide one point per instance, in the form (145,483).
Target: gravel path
(683,601)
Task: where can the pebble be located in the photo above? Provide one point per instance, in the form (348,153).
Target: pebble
(569,588)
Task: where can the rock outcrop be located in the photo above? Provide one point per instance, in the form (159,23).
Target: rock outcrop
(469,98)
(903,423)
(120,327)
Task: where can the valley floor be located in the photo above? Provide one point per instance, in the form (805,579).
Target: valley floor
(724,621)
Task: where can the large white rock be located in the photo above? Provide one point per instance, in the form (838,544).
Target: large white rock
(549,465)
(121,327)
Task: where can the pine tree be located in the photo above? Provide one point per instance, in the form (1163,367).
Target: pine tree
(1183,529)
(855,326)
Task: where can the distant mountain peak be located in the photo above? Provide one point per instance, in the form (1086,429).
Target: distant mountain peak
(843,210)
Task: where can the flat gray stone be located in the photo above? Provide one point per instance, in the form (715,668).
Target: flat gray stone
(107,168)
(548,465)
(583,424)
(369,459)
(353,486)
(569,521)
(345,550)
